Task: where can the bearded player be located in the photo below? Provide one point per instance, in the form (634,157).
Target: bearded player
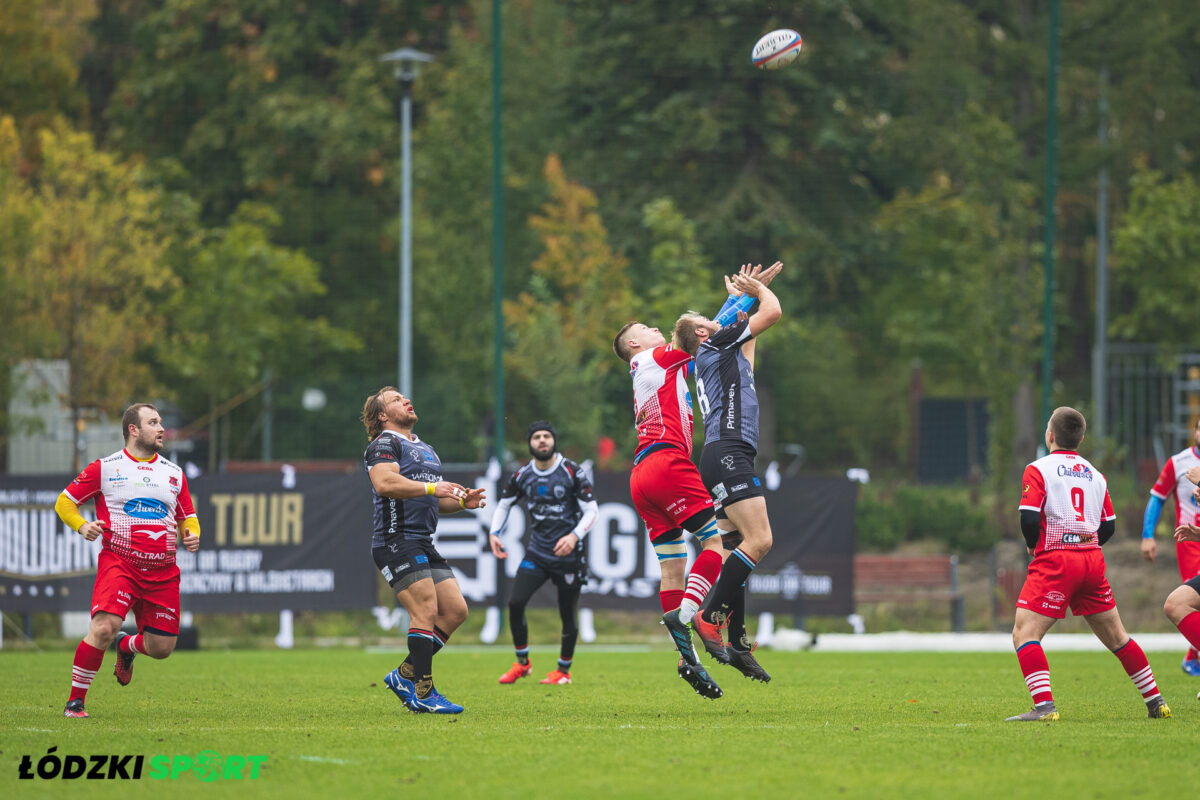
(142,504)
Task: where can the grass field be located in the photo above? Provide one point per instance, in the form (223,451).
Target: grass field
(829,725)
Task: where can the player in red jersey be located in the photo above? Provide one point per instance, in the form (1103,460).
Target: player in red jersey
(142,504)
(666,487)
(1173,481)
(1182,606)
(1066,515)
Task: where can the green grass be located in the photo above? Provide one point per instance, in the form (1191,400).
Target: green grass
(829,725)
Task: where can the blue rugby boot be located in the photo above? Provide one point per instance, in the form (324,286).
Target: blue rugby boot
(1191,666)
(435,704)
(403,688)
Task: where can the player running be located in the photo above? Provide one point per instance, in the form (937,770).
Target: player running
(142,503)
(1173,481)
(1066,515)
(562,509)
(409,494)
(729,406)
(666,487)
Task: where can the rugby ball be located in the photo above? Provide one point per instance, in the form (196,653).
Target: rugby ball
(776,49)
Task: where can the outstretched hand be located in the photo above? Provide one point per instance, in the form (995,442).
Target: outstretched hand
(1187,533)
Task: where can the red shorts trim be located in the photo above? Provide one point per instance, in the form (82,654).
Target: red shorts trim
(1189,559)
(667,490)
(153,597)
(1061,578)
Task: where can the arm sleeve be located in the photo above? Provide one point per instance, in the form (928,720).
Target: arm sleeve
(729,312)
(1150,520)
(500,517)
(1031,527)
(591,512)
(191,525)
(1106,530)
(1165,484)
(68,512)
(669,356)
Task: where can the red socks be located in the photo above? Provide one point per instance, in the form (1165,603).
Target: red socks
(132,644)
(702,577)
(1036,669)
(1189,626)
(87,662)
(670,599)
(1138,669)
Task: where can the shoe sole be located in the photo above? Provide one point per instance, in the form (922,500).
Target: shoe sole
(700,682)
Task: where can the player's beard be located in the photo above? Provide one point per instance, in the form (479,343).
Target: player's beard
(150,444)
(544,453)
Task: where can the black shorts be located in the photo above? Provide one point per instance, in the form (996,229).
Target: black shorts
(561,573)
(404,563)
(1194,583)
(727,469)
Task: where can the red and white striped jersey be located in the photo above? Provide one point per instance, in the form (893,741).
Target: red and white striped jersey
(141,504)
(1172,481)
(662,404)
(1072,497)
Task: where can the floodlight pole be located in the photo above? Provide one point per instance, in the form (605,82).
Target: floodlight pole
(408,65)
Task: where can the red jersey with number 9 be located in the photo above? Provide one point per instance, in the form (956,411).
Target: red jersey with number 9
(1072,497)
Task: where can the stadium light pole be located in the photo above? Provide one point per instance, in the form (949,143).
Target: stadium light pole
(407,63)
(1051,187)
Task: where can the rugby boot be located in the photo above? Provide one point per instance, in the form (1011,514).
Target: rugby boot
(745,663)
(1042,711)
(435,703)
(560,678)
(1158,709)
(403,688)
(124,668)
(1191,666)
(699,680)
(711,638)
(681,637)
(75,709)
(517,670)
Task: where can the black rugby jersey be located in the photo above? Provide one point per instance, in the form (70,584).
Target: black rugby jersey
(725,384)
(415,517)
(553,498)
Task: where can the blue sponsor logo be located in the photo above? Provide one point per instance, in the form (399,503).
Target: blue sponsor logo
(422,559)
(541,490)
(528,565)
(757,482)
(146,508)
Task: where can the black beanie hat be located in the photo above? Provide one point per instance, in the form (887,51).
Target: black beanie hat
(541,425)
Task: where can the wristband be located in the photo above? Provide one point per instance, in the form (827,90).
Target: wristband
(430,488)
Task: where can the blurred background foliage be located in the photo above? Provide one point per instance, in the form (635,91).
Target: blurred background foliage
(195,194)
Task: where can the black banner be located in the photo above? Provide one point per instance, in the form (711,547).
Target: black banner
(264,545)
(302,541)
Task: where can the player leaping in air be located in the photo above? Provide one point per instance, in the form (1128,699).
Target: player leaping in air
(667,490)
(729,404)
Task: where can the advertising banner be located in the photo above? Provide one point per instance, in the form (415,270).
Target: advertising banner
(302,541)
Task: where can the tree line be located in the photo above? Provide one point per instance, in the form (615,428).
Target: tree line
(196,192)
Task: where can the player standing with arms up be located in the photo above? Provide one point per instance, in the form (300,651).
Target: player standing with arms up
(409,494)
(1173,481)
(142,503)
(1066,515)
(562,509)
(729,406)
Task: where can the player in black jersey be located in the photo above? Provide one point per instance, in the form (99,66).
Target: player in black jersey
(729,404)
(409,494)
(562,510)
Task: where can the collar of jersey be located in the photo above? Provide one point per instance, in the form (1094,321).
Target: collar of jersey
(1195,452)
(1064,452)
(132,457)
(398,436)
(554,466)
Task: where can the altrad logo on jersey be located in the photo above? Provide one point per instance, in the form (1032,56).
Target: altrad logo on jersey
(146,508)
(1080,471)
